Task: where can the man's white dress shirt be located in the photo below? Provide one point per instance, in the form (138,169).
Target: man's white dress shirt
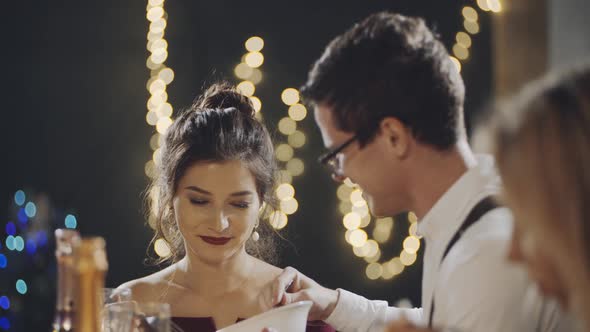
(476,288)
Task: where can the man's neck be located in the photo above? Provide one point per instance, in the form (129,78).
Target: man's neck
(436,173)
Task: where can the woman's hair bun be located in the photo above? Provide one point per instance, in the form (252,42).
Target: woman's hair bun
(224,95)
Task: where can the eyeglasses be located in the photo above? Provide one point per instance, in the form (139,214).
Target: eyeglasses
(330,160)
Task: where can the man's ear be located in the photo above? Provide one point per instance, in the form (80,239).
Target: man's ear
(399,137)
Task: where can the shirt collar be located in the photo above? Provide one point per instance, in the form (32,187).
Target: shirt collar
(447,213)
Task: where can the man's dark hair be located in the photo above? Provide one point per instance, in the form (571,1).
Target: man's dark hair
(390,65)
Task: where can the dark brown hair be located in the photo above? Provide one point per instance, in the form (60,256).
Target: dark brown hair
(390,65)
(219,126)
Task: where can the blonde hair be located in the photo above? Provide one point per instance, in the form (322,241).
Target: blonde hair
(541,139)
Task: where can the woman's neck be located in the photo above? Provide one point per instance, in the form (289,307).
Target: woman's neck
(212,280)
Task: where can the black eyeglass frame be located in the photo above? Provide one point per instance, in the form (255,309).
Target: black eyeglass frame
(327,159)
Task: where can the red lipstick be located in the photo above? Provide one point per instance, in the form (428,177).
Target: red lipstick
(217,241)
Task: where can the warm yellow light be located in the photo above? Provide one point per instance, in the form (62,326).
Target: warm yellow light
(407,258)
(344,207)
(381,234)
(362,210)
(347,235)
(278,220)
(483,5)
(157,86)
(256,76)
(166,75)
(365,221)
(256,103)
(155,141)
(151,118)
(382,230)
(373,248)
(287,126)
(495,5)
(165,110)
(412,217)
(374,271)
(158,44)
(374,258)
(356,196)
(243,71)
(358,237)
(155,35)
(460,52)
(154,3)
(470,14)
(285,191)
(297,139)
(246,88)
(254,59)
(159,56)
(156,100)
(158,26)
(456,62)
(351,220)
(155,14)
(386,223)
(284,176)
(297,112)
(151,65)
(163,124)
(254,44)
(162,248)
(150,169)
(284,152)
(289,206)
(471,27)
(290,96)
(349,183)
(343,192)
(411,244)
(463,39)
(394,266)
(360,251)
(296,166)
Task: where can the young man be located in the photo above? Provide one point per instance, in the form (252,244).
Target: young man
(389,104)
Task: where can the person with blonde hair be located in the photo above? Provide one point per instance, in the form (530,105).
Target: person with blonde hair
(541,141)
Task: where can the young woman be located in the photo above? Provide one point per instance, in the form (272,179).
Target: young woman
(216,176)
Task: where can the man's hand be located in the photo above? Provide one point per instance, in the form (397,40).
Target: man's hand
(292,286)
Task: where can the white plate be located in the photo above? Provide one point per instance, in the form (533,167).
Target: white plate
(289,318)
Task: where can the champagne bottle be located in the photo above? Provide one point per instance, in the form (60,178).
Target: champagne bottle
(66,241)
(90,266)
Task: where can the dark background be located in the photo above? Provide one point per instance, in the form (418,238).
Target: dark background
(73,105)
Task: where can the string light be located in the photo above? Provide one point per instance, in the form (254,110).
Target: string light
(356,217)
(160,111)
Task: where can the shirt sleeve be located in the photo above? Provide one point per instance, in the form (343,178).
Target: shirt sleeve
(356,313)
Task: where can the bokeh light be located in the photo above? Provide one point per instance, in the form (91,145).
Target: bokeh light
(71,221)
(31,209)
(21,286)
(254,44)
(19,198)
(290,96)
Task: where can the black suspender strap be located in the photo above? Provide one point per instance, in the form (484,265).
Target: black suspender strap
(484,206)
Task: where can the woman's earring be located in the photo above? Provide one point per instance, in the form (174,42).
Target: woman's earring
(255,235)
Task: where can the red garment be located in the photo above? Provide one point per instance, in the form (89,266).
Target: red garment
(206,324)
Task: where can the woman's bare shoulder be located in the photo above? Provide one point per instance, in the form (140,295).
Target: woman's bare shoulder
(151,287)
